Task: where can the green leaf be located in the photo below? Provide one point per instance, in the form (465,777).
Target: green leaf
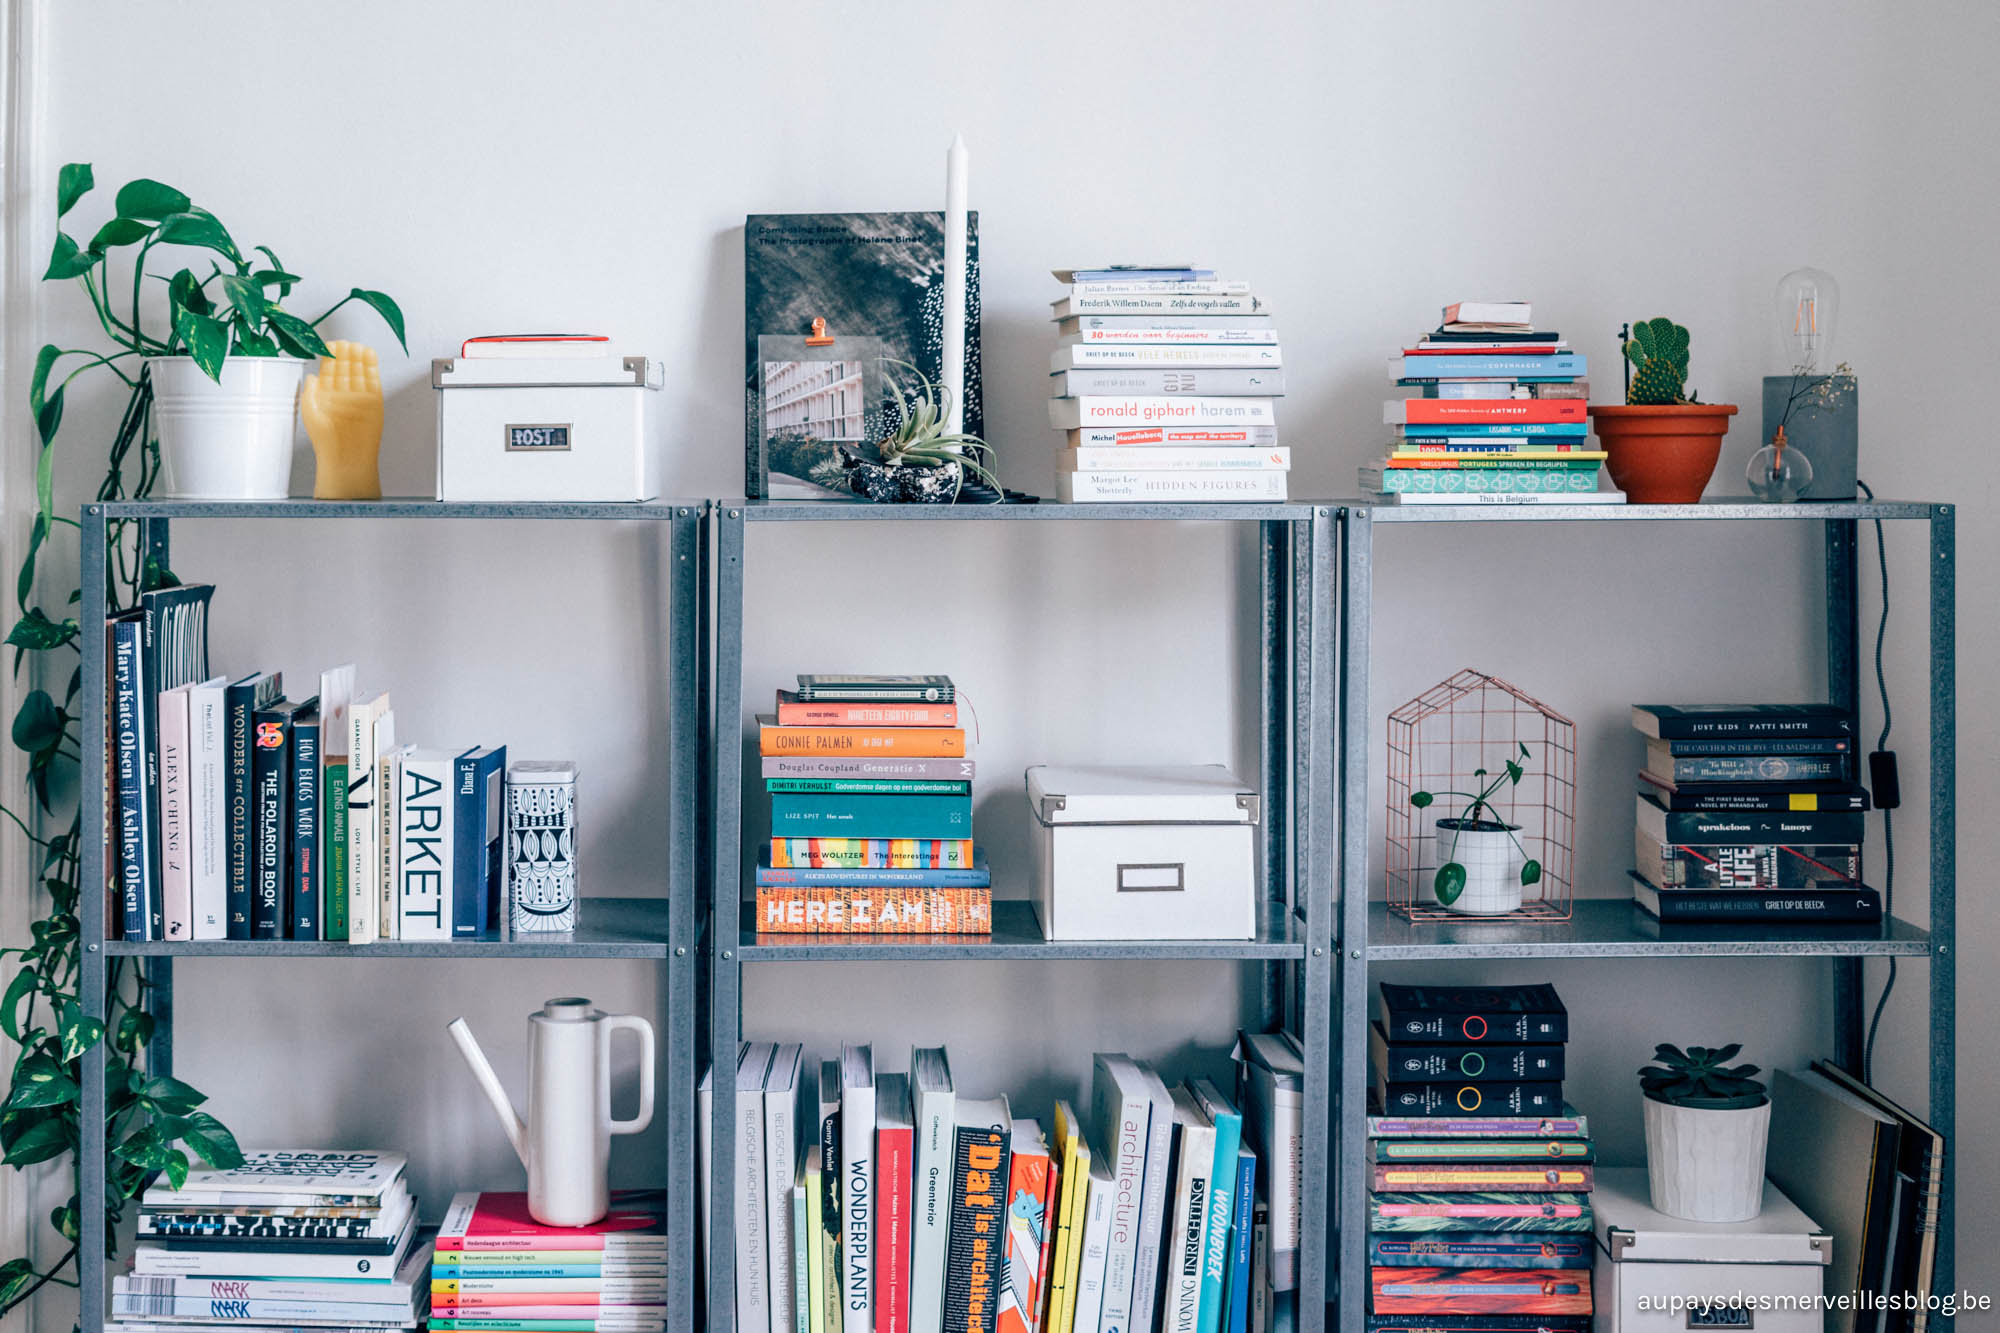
(45,361)
(135,1029)
(37,633)
(68,261)
(1531,872)
(207,340)
(39,724)
(24,983)
(295,335)
(215,1144)
(184,290)
(246,296)
(1513,772)
(176,1168)
(39,1142)
(391,313)
(47,422)
(40,1081)
(251,343)
(1449,883)
(73,182)
(65,1219)
(119,231)
(15,1274)
(150,200)
(144,1149)
(78,1031)
(276,276)
(198,229)
(170,1094)
(1420,799)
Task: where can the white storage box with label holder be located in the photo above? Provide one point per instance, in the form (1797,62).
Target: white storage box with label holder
(1158,853)
(546,428)
(1762,1274)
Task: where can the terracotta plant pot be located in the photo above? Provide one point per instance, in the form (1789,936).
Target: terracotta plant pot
(1662,455)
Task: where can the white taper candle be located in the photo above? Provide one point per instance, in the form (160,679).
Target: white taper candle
(953,376)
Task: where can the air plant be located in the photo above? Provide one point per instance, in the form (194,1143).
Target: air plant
(1449,882)
(920,439)
(1701,1077)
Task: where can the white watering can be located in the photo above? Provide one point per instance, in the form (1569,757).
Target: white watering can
(565,1141)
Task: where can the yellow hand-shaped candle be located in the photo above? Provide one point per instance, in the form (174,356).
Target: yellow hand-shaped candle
(342,409)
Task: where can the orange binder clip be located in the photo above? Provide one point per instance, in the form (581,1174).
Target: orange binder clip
(819,336)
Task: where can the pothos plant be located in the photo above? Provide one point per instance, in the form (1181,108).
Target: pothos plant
(235,310)
(1479,815)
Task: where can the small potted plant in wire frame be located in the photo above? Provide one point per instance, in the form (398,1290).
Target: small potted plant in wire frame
(1481,865)
(919,461)
(1707,1125)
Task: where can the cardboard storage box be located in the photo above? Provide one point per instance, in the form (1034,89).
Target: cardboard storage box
(555,428)
(1162,853)
(1761,1274)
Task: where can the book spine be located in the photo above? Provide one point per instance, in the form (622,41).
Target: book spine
(468,859)
(1481,1250)
(271,771)
(1438,1178)
(780,1171)
(931,1209)
(176,828)
(828,816)
(910,742)
(1227,458)
(1158,287)
(1479,1127)
(1464,1291)
(1489,411)
(872,853)
(817,713)
(1767,768)
(233,1310)
(1131,486)
(1502,1027)
(1238,1320)
(1093,1249)
(753,1251)
(1471,481)
(866,787)
(1758,866)
(303,813)
(893,1154)
(1496,1099)
(1414,431)
(1125,410)
(1027,1222)
(1154,1205)
(1474,1064)
(1402,1214)
(872,877)
(333,858)
(1161,303)
(1162,335)
(1185,1274)
(870,767)
(1838,907)
(134,809)
(361,824)
(1582,461)
(1189,356)
(974,1263)
(1752,826)
(1260,1270)
(389,835)
(834,1302)
(801,1263)
(1747,726)
(1221,1215)
(1487,366)
(1263,382)
(423,849)
(811,1244)
(208,805)
(858,1206)
(1759,745)
(1173,437)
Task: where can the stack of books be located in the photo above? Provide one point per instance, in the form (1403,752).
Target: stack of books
(871,811)
(1496,414)
(289,1238)
(236,813)
(497,1270)
(1165,380)
(1750,812)
(1480,1199)
(875,1202)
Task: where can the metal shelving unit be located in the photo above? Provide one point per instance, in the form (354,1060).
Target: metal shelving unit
(660,928)
(1616,928)
(1296,699)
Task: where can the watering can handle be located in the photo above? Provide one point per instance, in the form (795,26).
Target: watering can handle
(634,1023)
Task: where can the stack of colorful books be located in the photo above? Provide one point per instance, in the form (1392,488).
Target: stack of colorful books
(1480,1197)
(1496,414)
(289,1238)
(1165,380)
(871,811)
(1751,812)
(498,1270)
(877,1202)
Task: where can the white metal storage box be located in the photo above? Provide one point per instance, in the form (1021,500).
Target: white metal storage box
(546,428)
(1656,1273)
(1164,853)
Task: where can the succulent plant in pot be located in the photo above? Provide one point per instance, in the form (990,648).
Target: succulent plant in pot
(1708,1123)
(919,461)
(1481,865)
(1662,443)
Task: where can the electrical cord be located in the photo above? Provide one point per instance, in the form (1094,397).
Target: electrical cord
(1888,815)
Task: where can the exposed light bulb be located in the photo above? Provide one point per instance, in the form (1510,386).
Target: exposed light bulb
(1807,305)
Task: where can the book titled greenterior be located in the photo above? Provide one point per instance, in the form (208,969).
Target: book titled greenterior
(832,815)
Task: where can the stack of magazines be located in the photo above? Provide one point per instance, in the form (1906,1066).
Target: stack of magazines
(289,1238)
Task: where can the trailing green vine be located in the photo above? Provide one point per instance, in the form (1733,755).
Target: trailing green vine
(153,1122)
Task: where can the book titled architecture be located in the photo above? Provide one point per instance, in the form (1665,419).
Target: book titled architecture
(827,299)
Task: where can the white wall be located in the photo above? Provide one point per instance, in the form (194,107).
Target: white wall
(512,165)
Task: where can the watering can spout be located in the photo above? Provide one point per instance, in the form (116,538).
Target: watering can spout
(489,1083)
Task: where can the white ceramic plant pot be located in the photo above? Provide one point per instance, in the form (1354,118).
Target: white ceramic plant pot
(227,440)
(1707,1166)
(1492,866)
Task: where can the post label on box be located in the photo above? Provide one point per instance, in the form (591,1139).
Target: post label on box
(537,438)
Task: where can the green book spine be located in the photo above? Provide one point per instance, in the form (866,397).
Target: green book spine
(821,815)
(868,786)
(333,841)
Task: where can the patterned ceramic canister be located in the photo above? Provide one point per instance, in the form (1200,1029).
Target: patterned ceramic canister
(541,846)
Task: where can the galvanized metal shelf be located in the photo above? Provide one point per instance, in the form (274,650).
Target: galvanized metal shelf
(1619,928)
(606,928)
(1368,933)
(661,929)
(1017,934)
(1295,697)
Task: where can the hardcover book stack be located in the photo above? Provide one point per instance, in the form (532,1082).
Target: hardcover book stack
(1496,414)
(284,1240)
(236,813)
(1750,812)
(871,811)
(1480,1197)
(1165,379)
(874,1202)
(497,1270)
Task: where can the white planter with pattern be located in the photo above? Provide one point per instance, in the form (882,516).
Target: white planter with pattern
(1707,1166)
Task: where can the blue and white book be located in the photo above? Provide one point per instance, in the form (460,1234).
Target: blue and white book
(1241,1242)
(1424,369)
(1468,430)
(128,719)
(1194,1180)
(1228,1122)
(476,840)
(1135,273)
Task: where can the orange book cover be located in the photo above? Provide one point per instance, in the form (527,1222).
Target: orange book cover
(874,911)
(796,712)
(1030,1180)
(1446,411)
(907,742)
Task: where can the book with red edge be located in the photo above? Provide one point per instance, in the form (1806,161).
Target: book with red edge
(895,1154)
(500,1221)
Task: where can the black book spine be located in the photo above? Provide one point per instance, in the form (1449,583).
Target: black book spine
(1751,745)
(1859,906)
(1421,1063)
(1758,768)
(1500,1027)
(303,807)
(1473,1099)
(271,773)
(1820,826)
(138,890)
(975,1248)
(1758,798)
(1752,725)
(239,701)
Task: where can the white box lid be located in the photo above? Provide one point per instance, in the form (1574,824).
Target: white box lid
(1139,794)
(536,771)
(1630,1231)
(507,372)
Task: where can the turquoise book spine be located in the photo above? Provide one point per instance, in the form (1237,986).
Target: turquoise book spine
(828,815)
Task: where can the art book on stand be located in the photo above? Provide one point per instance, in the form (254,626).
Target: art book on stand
(827,298)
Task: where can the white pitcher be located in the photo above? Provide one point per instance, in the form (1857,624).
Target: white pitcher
(566,1140)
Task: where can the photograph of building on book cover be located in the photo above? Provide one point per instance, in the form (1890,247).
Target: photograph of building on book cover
(827,299)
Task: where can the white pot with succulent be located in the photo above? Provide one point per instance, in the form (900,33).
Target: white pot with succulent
(1481,865)
(1707,1128)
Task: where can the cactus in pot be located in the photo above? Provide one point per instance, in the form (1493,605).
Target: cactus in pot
(1661,444)
(1659,348)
